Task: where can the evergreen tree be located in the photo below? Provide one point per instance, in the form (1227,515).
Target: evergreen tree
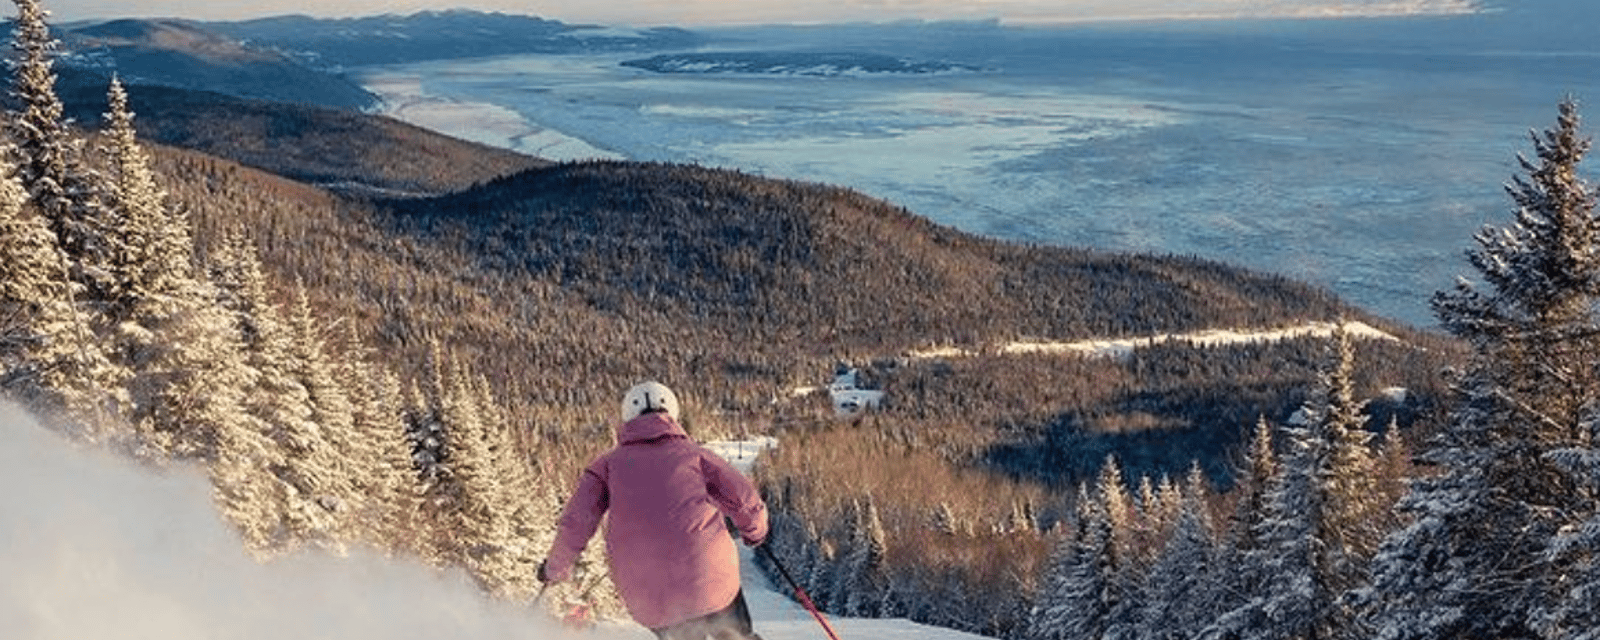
(1113,496)
(846,537)
(50,158)
(819,584)
(434,452)
(168,327)
(1126,562)
(1355,497)
(1243,538)
(475,504)
(424,437)
(1474,561)
(326,463)
(380,453)
(1180,597)
(868,575)
(1315,527)
(278,400)
(1082,592)
(157,254)
(1575,551)
(48,355)
(529,512)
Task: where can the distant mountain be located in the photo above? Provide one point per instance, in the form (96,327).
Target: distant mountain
(796,63)
(185,54)
(435,35)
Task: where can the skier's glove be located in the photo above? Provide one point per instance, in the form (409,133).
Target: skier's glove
(541,575)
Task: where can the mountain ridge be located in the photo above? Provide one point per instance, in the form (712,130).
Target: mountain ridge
(185,54)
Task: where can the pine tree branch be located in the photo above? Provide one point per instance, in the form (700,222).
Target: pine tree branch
(1535,413)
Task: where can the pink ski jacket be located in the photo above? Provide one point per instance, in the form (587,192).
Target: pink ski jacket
(671,556)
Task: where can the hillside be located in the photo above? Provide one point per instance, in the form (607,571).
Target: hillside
(852,273)
(185,54)
(346,150)
(437,35)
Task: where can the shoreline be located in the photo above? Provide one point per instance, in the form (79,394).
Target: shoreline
(402,97)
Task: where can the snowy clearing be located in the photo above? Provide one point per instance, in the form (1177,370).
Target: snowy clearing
(1122,347)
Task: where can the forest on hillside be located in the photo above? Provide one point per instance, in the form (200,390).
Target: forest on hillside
(426,374)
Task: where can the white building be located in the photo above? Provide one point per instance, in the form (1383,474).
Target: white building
(848,397)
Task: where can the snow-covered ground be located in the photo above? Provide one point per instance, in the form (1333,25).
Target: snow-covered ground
(1121,347)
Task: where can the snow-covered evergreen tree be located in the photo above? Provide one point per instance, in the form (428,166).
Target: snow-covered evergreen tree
(48,355)
(530,510)
(329,458)
(1242,539)
(471,502)
(1112,493)
(380,452)
(1474,562)
(845,535)
(867,574)
(1082,592)
(278,399)
(1355,496)
(1127,562)
(157,253)
(425,437)
(1574,553)
(50,158)
(168,328)
(1313,532)
(1180,595)
(824,567)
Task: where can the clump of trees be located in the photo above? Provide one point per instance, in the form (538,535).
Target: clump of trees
(116,326)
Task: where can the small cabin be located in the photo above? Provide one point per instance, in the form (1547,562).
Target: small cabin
(848,397)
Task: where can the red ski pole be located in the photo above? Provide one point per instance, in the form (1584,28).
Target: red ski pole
(800,594)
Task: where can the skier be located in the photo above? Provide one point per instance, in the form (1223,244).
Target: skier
(671,554)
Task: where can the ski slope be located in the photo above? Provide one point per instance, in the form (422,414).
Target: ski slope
(779,618)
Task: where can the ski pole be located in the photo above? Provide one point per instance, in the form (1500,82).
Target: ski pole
(805,600)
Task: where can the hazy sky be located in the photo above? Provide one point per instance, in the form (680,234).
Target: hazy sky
(701,12)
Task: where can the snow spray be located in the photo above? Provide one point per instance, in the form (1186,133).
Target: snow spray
(97,546)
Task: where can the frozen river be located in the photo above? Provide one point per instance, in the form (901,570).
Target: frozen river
(1359,157)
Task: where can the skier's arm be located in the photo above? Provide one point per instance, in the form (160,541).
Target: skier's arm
(736,497)
(578,523)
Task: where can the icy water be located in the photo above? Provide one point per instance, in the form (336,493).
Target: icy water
(1357,155)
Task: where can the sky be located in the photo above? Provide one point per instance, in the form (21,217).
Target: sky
(714,12)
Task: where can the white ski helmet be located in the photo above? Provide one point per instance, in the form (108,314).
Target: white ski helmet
(649,397)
